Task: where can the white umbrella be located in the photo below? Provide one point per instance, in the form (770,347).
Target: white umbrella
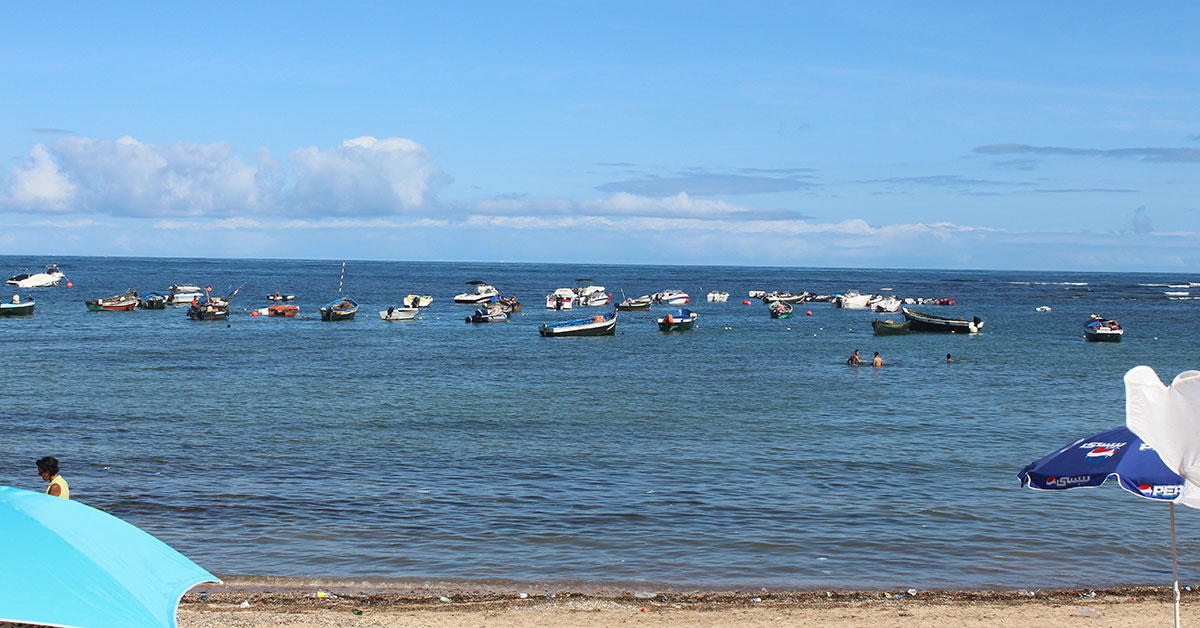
(1168,419)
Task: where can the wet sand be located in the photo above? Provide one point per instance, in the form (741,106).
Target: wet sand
(299,604)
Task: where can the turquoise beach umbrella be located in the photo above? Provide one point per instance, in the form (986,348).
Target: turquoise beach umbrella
(63,563)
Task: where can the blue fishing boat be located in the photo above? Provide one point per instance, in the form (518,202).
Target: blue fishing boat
(340,309)
(681,319)
(598,325)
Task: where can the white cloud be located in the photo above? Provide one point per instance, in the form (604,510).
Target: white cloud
(364,176)
(39,186)
(125,177)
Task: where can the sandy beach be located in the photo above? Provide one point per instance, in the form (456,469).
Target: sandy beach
(259,602)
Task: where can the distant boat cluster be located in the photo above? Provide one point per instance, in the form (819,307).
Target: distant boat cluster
(493,307)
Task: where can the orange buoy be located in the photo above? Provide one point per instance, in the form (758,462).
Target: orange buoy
(254,313)
(70,285)
(808,313)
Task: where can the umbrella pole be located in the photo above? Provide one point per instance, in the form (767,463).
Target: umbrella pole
(1174,565)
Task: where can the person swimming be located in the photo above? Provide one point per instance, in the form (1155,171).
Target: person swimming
(854,360)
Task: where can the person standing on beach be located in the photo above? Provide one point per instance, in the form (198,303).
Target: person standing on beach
(877,361)
(48,469)
(854,360)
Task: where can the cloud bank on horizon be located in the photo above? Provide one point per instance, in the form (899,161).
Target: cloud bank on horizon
(387,190)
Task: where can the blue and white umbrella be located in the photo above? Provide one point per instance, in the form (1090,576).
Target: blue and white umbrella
(63,563)
(1119,454)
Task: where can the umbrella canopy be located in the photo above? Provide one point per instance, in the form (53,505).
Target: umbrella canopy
(1168,418)
(63,563)
(1117,453)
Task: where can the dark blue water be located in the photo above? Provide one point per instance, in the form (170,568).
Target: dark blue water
(743,453)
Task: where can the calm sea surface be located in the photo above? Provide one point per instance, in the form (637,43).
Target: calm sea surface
(742,453)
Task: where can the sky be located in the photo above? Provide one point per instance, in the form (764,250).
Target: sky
(1026,136)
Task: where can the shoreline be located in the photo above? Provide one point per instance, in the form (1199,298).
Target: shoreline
(265,601)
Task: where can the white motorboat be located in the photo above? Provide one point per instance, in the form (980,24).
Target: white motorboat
(718,297)
(591,296)
(25,279)
(418,300)
(560,299)
(786,297)
(183,293)
(399,313)
(482,294)
(672,297)
(757,294)
(853,301)
(886,304)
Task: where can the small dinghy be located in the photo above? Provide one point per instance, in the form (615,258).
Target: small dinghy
(636,304)
(418,300)
(681,319)
(488,316)
(285,311)
(924,321)
(17,307)
(279,296)
(153,301)
(1100,329)
(889,328)
(399,313)
(780,309)
(124,302)
(598,325)
(340,309)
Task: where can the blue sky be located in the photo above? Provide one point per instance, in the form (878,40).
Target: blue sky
(933,135)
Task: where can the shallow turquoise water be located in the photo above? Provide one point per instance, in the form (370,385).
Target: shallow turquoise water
(743,453)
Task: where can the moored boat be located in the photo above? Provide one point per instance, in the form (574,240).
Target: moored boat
(17,307)
(886,304)
(924,321)
(339,309)
(153,301)
(598,325)
(482,294)
(1100,329)
(488,315)
(394,313)
(209,310)
(25,279)
(560,299)
(418,300)
(284,311)
(785,297)
(889,327)
(123,302)
(589,295)
(717,297)
(636,304)
(780,309)
(672,297)
(279,296)
(853,301)
(681,319)
(183,294)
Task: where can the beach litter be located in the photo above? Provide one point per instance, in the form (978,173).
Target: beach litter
(445,599)
(244,605)
(912,591)
(356,611)
(1086,611)
(522,595)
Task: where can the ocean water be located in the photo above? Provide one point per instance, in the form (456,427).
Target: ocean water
(742,453)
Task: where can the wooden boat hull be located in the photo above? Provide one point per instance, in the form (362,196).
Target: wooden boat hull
(333,316)
(780,309)
(890,328)
(607,326)
(203,314)
(678,320)
(923,321)
(153,303)
(102,305)
(284,311)
(16,309)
